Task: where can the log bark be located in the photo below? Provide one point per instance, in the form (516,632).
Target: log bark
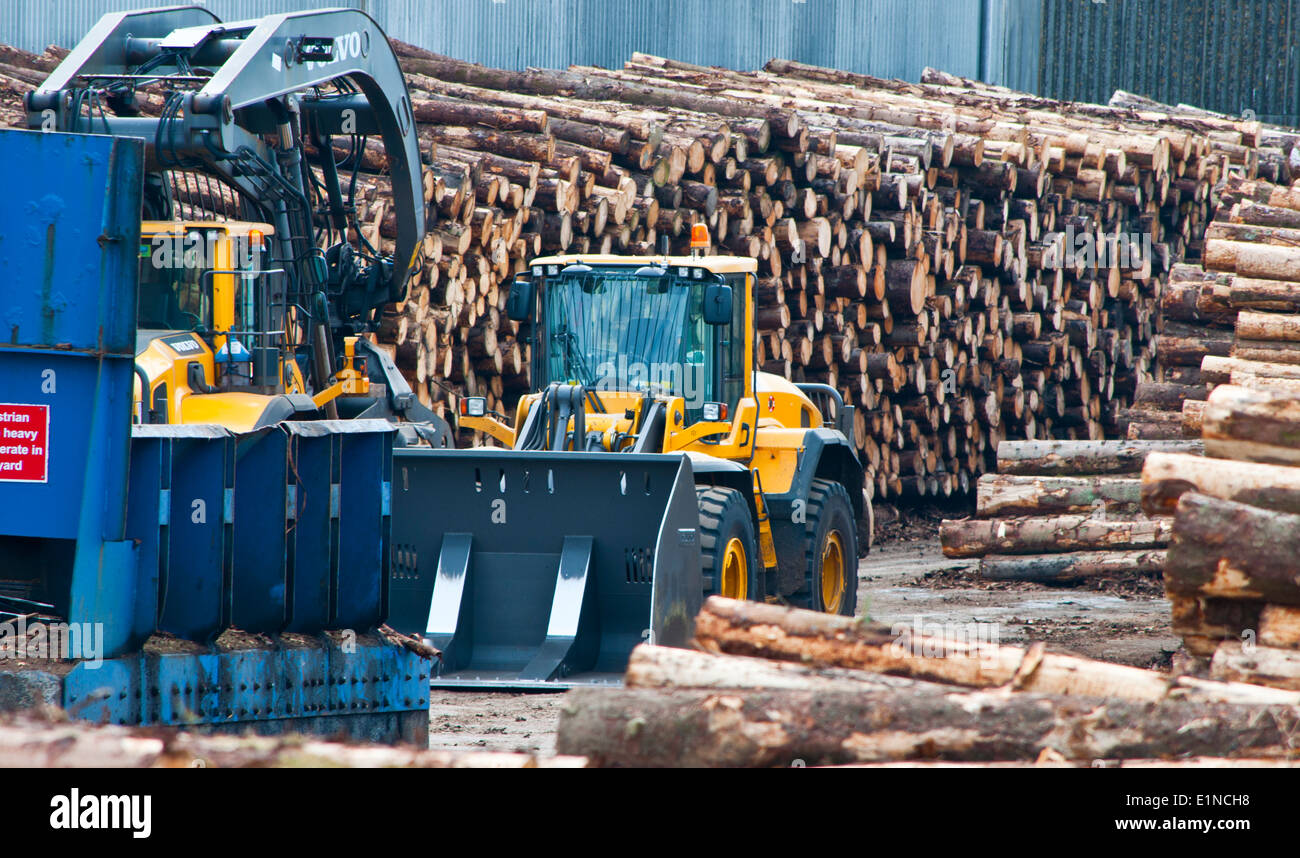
(1072,567)
(821,640)
(669,667)
(1226,549)
(998,494)
(1259,665)
(1076,458)
(1255,425)
(1203,623)
(30,743)
(1279,625)
(1220,370)
(1166,476)
(1056,534)
(1268,326)
(695,728)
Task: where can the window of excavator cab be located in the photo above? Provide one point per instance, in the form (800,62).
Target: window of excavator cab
(248,261)
(617,330)
(174,293)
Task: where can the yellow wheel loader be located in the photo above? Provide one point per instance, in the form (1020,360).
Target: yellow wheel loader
(652,465)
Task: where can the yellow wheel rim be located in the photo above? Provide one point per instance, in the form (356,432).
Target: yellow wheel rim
(735,571)
(833,576)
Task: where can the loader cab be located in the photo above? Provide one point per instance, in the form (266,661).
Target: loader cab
(637,326)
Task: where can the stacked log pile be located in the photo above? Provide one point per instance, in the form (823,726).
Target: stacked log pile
(932,250)
(1232,571)
(914,240)
(778,687)
(1064,512)
(1227,315)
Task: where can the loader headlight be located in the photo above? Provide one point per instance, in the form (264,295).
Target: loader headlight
(715,411)
(473,406)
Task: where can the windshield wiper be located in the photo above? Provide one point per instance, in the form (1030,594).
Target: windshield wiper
(574,358)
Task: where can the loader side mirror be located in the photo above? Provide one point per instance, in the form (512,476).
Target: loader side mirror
(519,306)
(717,304)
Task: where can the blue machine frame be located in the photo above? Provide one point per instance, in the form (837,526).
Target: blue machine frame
(184,530)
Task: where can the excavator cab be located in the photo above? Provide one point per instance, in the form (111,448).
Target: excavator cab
(213,321)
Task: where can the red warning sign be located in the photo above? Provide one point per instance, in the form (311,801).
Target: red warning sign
(24,443)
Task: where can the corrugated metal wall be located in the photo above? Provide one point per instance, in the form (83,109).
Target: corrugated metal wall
(1228,55)
(890,38)
(1225,55)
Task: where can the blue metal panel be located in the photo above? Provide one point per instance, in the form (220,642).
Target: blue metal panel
(107,692)
(318,677)
(365,450)
(310,449)
(69,234)
(1224,55)
(890,38)
(259,597)
(148,516)
(195,540)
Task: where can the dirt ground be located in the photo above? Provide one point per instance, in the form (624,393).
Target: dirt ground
(904,580)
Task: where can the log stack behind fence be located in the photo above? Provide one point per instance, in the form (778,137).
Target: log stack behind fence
(966,264)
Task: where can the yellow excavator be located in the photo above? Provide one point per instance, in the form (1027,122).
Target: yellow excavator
(256,281)
(652,461)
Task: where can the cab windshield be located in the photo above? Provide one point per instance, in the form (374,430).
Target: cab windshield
(173,294)
(177,287)
(615,330)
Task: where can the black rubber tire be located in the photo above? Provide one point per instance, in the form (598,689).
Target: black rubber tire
(724,516)
(829,509)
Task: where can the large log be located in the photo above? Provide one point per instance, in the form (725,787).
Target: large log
(30,743)
(1220,370)
(1263,294)
(1072,567)
(457,112)
(693,728)
(822,640)
(1226,549)
(1235,661)
(1075,458)
(1268,326)
(1269,351)
(1256,425)
(1253,260)
(670,667)
(998,494)
(1166,476)
(1056,534)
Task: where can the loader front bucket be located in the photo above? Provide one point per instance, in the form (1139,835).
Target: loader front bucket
(542,569)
